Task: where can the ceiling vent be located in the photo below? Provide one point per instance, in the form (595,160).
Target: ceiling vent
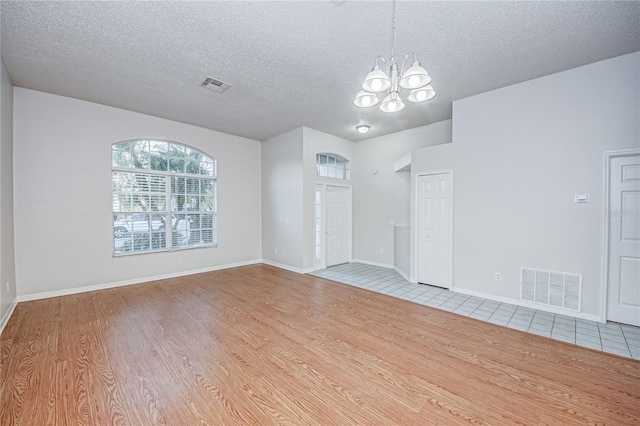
(215,85)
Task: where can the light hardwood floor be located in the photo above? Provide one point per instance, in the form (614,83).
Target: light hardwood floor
(259,345)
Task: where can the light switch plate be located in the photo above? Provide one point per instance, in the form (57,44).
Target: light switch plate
(581,198)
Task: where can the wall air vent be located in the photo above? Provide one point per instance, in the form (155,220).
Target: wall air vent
(559,289)
(215,85)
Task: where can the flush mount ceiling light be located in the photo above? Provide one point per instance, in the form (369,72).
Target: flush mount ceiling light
(416,79)
(363,128)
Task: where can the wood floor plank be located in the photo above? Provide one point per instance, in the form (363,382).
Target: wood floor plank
(259,345)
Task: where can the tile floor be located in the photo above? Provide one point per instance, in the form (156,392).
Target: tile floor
(614,338)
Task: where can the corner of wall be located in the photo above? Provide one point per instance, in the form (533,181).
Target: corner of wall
(282,192)
(8,284)
(7,315)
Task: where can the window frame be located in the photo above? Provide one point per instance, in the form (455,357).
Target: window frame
(180,235)
(335,167)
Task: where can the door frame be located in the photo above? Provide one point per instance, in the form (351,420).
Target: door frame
(416,224)
(322,187)
(607,157)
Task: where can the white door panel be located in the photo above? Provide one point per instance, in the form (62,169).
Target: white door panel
(434,230)
(337,229)
(623,294)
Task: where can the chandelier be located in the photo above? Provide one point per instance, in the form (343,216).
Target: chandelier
(416,79)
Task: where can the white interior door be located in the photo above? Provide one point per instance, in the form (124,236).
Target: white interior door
(337,220)
(434,230)
(623,298)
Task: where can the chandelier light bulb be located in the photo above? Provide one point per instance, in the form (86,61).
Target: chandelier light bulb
(414,80)
(365,99)
(376,81)
(392,103)
(415,77)
(423,94)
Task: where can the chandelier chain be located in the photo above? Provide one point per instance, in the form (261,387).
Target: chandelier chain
(393,31)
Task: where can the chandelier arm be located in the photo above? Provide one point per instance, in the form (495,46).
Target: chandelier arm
(415,58)
(386,65)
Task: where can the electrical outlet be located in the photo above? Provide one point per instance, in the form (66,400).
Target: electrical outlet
(498,276)
(180,261)
(276,250)
(8,289)
(381,251)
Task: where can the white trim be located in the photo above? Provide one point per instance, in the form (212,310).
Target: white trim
(402,274)
(368,262)
(7,315)
(608,155)
(69,291)
(526,304)
(287,267)
(322,263)
(416,240)
(323,221)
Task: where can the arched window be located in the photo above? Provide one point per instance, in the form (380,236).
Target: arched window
(164,197)
(332,165)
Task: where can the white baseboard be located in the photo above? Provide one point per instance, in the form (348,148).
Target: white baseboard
(402,274)
(527,304)
(368,262)
(57,293)
(66,292)
(287,267)
(7,315)
(384,265)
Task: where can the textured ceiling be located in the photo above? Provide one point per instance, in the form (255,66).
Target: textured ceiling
(297,63)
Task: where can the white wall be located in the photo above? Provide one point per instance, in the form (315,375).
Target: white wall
(289,176)
(282,185)
(62,181)
(7,262)
(316,142)
(288,194)
(519,155)
(381,194)
(402,249)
